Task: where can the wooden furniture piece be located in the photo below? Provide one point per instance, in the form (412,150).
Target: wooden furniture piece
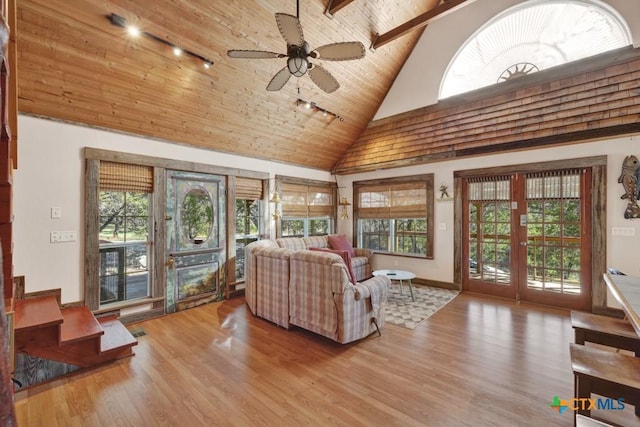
(399,276)
(626,290)
(582,421)
(605,373)
(605,330)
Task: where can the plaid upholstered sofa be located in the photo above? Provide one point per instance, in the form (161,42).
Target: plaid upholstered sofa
(289,284)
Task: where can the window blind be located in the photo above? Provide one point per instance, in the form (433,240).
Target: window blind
(401,200)
(125,177)
(248,188)
(299,200)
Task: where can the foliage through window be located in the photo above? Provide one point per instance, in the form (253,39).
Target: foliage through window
(248,228)
(396,215)
(125,218)
(124,246)
(248,218)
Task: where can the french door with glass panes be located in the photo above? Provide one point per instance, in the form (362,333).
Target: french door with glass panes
(527,236)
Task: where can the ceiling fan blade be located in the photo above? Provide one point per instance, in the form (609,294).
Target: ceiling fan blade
(254,54)
(340,51)
(323,79)
(279,80)
(290,29)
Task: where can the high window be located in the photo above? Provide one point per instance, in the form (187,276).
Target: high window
(308,208)
(533,36)
(395,215)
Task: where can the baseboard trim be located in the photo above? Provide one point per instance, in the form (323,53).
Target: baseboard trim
(435,284)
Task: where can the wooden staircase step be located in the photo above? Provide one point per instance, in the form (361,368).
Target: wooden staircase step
(36,313)
(79,324)
(116,336)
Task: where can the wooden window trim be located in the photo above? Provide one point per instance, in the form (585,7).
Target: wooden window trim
(425,178)
(598,165)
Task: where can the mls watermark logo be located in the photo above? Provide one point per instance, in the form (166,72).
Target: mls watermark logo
(587,404)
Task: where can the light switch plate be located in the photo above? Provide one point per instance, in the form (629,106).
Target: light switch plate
(56,213)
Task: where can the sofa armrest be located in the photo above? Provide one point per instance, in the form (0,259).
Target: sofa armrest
(364,252)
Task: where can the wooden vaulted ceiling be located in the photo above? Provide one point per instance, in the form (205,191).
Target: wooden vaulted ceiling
(73,65)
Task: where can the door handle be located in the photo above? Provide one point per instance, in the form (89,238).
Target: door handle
(523,243)
(171,262)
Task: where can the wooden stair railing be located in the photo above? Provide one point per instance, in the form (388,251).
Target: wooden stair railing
(70,335)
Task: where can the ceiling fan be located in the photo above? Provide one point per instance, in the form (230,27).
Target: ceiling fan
(299,53)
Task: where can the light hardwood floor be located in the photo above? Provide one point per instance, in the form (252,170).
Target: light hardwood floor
(479,361)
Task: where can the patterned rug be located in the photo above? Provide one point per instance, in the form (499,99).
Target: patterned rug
(401,311)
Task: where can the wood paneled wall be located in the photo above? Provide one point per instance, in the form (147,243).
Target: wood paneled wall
(551,107)
(75,66)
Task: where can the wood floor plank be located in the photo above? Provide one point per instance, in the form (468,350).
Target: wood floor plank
(479,361)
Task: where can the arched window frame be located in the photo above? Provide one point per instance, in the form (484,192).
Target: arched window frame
(525,64)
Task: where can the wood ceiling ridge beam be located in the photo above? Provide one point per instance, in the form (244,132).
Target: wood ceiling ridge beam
(419,22)
(334,6)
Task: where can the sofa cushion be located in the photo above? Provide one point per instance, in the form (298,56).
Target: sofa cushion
(345,256)
(316,241)
(294,243)
(341,243)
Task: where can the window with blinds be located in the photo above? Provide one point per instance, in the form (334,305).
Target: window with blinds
(307,209)
(395,215)
(125,220)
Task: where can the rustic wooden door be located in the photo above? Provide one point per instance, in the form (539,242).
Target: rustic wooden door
(195,239)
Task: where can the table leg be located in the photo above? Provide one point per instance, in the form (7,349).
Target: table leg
(400,286)
(411,290)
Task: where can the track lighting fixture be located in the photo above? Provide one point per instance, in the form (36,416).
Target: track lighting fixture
(119,21)
(315,107)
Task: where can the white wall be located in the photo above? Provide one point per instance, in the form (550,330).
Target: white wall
(418,83)
(622,251)
(51,174)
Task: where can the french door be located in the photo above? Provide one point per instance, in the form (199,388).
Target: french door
(527,236)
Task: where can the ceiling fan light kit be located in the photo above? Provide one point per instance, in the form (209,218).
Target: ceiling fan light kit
(298,54)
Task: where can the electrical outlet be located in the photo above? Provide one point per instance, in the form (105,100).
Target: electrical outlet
(56,213)
(623,231)
(63,236)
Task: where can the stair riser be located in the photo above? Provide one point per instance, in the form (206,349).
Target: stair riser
(84,353)
(41,337)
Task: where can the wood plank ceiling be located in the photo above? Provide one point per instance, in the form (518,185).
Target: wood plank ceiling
(73,65)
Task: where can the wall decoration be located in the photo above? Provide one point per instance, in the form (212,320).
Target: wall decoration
(629,179)
(444,191)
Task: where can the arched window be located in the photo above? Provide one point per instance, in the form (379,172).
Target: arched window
(533,36)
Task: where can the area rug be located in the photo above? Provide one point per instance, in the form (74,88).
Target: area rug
(402,311)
